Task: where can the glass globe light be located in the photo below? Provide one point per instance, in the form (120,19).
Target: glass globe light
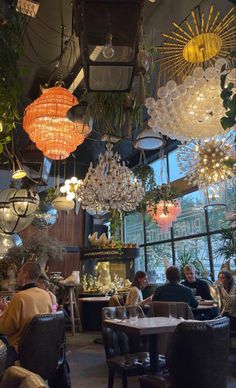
(8,241)
(9,221)
(23,202)
(162,92)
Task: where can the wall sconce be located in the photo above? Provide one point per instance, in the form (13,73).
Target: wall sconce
(109,33)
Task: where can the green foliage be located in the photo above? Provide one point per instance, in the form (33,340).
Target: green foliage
(228,249)
(50,195)
(116,225)
(185,259)
(229,102)
(7,261)
(11,45)
(108,110)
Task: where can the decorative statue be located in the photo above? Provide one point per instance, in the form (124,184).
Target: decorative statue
(9,283)
(103,276)
(101,242)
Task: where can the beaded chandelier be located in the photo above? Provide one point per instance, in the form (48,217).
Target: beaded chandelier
(164,213)
(111,185)
(46,123)
(192,109)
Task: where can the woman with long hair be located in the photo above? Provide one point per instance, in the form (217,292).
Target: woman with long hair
(227,290)
(135,296)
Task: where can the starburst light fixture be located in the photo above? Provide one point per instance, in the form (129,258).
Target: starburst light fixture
(199,39)
(111,185)
(191,110)
(205,165)
(205,162)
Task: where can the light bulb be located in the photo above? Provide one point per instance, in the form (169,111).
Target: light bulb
(108,50)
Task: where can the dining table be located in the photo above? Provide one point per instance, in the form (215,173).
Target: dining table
(152,327)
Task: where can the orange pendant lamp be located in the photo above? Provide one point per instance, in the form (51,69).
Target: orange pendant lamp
(48,127)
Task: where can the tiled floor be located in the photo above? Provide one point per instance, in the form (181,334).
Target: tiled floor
(88,364)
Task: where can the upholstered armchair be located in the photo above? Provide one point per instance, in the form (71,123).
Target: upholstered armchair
(125,355)
(42,345)
(197,356)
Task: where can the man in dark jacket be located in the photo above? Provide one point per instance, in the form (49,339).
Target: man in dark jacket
(199,286)
(173,291)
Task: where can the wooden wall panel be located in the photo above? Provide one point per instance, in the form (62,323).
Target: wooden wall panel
(69,229)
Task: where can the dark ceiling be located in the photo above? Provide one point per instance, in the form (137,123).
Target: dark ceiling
(43,41)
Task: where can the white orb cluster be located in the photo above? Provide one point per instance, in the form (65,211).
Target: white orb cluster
(191,110)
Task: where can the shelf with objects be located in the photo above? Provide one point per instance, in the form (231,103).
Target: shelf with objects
(107,270)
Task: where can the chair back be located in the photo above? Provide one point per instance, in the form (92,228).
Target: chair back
(116,300)
(42,345)
(18,377)
(197,354)
(117,342)
(176,309)
(3,355)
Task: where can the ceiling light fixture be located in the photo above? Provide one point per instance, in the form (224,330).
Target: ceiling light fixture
(47,125)
(148,140)
(199,39)
(18,171)
(110,185)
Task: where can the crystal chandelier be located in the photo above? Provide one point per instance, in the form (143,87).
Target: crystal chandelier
(47,125)
(192,109)
(111,185)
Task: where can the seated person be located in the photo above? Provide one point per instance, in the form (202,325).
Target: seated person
(25,304)
(43,283)
(135,296)
(229,310)
(226,287)
(173,291)
(199,285)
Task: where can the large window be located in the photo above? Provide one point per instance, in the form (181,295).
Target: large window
(196,231)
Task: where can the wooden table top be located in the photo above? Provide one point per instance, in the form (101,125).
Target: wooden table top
(95,299)
(144,326)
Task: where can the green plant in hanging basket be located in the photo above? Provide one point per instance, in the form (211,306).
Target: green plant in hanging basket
(112,111)
(164,193)
(146,174)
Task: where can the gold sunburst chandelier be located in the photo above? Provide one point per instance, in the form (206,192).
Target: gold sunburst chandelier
(199,39)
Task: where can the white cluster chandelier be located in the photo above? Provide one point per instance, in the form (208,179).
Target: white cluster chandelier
(110,185)
(192,109)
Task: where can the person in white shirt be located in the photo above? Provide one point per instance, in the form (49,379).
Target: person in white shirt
(135,296)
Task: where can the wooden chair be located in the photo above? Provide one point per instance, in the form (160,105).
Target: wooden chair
(165,309)
(125,355)
(197,356)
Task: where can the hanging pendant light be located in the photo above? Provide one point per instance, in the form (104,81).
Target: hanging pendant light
(10,222)
(18,171)
(24,202)
(164,213)
(148,140)
(47,125)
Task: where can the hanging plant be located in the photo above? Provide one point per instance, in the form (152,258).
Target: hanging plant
(146,174)
(11,44)
(112,111)
(228,95)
